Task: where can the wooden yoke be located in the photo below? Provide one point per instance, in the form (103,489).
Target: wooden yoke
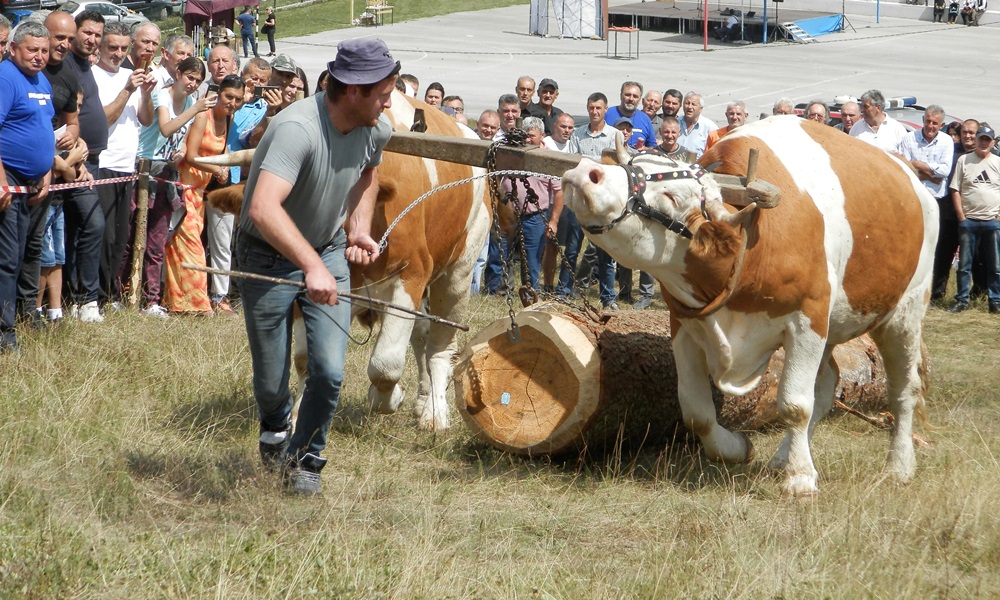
(738,191)
(474,153)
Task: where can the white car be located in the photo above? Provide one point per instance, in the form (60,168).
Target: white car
(110,12)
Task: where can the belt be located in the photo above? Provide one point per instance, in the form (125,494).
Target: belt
(260,245)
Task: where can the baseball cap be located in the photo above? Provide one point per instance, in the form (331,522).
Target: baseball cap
(284,64)
(548,83)
(622,121)
(985,132)
(362,61)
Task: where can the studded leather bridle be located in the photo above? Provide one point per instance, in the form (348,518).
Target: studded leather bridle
(637,204)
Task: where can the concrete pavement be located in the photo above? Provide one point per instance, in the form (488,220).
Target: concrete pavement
(479,55)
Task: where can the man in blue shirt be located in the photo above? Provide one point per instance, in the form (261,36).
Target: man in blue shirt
(642,132)
(25,157)
(247,23)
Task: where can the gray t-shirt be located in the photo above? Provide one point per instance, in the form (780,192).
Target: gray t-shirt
(302,146)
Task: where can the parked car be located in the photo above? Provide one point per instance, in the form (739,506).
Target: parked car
(154,9)
(9,6)
(903,108)
(110,12)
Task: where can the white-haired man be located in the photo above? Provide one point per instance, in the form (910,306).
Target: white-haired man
(695,127)
(876,127)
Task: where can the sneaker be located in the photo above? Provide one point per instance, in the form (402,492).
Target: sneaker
(114,307)
(223,309)
(89,313)
(643,303)
(302,476)
(155,310)
(611,306)
(272,447)
(959,307)
(73,311)
(34,318)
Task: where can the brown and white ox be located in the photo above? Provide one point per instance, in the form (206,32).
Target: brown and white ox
(429,258)
(848,250)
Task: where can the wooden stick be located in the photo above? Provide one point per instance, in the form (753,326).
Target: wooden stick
(139,239)
(752,165)
(347,295)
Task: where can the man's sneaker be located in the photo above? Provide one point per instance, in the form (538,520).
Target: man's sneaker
(73,311)
(34,318)
(89,313)
(643,303)
(302,476)
(155,310)
(272,447)
(611,306)
(959,307)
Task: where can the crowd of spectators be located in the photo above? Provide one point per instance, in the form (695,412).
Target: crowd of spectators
(97,91)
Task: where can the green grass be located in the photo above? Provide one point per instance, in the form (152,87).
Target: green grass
(336,14)
(128,468)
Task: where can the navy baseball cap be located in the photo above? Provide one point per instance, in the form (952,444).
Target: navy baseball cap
(362,61)
(622,121)
(985,132)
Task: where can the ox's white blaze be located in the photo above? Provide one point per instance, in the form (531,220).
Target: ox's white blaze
(596,193)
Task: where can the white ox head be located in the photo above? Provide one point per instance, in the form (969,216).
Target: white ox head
(601,196)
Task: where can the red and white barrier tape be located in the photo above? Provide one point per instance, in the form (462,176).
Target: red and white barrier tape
(23,189)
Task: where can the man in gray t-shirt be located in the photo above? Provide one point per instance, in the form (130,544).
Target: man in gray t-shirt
(314,169)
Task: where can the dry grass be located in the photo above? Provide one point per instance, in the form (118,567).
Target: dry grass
(128,468)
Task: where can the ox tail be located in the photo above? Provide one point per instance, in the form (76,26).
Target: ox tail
(924,372)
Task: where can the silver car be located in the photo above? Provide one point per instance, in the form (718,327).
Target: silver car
(110,12)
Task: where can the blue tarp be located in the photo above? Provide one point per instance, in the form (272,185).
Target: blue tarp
(822,25)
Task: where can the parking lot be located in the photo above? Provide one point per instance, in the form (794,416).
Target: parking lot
(479,55)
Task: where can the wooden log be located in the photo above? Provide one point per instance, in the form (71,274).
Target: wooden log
(571,384)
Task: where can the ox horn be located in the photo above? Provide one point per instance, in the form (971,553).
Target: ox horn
(621,151)
(737,219)
(239,158)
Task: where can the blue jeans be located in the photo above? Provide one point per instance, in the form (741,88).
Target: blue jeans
(606,277)
(571,237)
(84,238)
(982,236)
(477,270)
(533,227)
(250,40)
(13,234)
(267,309)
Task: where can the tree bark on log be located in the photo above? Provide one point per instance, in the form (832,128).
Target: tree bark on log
(575,385)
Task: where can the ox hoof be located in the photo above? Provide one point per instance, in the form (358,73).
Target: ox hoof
(385,403)
(900,475)
(429,421)
(801,486)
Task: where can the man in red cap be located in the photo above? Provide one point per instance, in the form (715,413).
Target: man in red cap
(309,176)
